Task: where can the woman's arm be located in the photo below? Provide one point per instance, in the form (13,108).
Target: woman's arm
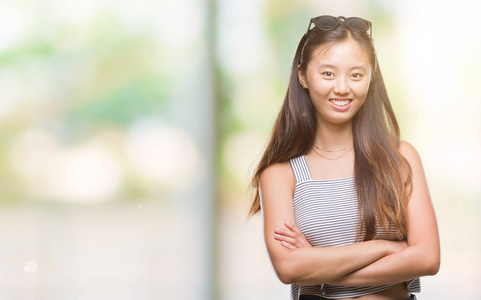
(308,265)
(422,256)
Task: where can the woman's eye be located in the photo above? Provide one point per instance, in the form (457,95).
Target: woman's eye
(328,74)
(356,76)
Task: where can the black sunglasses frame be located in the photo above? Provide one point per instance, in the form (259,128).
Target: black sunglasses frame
(347,21)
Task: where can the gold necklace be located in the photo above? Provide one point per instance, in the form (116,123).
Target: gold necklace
(332,158)
(333,150)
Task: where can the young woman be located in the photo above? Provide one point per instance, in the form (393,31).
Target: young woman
(346,208)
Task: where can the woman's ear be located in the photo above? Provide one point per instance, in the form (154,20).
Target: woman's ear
(302,78)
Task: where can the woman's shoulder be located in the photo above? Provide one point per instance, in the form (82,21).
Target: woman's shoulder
(277,185)
(408,151)
(279,169)
(280,172)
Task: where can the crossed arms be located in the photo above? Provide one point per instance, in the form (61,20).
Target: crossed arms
(375,262)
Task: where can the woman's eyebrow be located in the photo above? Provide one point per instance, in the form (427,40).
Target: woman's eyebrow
(359,67)
(327,66)
(334,67)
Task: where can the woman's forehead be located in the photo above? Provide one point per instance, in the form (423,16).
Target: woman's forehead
(340,53)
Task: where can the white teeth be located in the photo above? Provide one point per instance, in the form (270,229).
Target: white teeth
(341,102)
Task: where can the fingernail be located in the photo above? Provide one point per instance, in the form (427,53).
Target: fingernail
(277,230)
(288,224)
(277,236)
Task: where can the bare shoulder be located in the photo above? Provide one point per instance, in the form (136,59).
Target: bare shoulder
(278,173)
(277,182)
(409,152)
(414,160)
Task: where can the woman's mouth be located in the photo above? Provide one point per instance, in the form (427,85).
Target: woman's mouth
(340,104)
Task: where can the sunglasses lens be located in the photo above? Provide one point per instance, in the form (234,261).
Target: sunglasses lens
(357,24)
(326,23)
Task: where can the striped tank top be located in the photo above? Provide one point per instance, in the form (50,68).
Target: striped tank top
(326,211)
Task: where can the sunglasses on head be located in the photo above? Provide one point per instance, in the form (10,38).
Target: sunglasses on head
(330,23)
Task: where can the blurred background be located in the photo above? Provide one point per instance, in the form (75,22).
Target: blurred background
(129,131)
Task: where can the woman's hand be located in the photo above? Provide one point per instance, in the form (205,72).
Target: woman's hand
(291,238)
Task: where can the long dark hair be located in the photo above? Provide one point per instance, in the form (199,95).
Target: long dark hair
(383,176)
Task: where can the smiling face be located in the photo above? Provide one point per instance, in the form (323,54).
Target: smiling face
(338,78)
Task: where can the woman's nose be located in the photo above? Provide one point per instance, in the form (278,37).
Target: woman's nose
(342,87)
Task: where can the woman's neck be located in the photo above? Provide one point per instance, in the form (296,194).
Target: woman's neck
(334,136)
